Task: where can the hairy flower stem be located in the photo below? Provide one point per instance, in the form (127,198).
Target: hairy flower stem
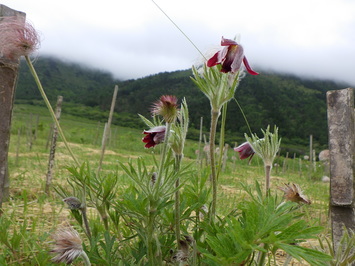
(85,258)
(214,120)
(154,258)
(221,139)
(267,178)
(103,213)
(162,158)
(178,158)
(41,90)
(86,222)
(262,256)
(150,241)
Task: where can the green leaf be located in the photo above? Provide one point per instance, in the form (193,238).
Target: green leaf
(314,257)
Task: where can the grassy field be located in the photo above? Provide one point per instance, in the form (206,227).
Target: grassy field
(32,216)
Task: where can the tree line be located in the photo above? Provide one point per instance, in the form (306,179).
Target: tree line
(296,105)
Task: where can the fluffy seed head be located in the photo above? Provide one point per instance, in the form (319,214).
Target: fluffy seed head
(17,38)
(67,245)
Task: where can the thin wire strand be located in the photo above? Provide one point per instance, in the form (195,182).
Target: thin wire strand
(187,37)
(244,116)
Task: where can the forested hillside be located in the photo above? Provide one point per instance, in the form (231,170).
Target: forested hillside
(297,106)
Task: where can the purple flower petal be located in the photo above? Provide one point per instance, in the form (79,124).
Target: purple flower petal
(248,68)
(245,151)
(154,136)
(228,42)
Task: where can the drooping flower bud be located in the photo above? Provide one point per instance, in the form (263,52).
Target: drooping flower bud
(245,151)
(167,107)
(73,203)
(179,130)
(294,193)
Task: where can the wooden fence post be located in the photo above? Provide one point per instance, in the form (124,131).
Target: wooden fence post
(29,132)
(310,150)
(225,157)
(49,175)
(8,78)
(18,146)
(107,129)
(341,127)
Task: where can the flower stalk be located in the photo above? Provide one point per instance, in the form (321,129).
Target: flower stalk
(262,255)
(177,144)
(266,148)
(44,96)
(221,138)
(214,119)
(152,258)
(85,258)
(178,159)
(162,158)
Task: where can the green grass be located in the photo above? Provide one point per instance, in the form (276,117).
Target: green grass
(40,214)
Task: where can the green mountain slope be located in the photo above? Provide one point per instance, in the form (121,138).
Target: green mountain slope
(297,106)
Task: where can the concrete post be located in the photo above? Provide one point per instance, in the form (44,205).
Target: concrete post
(341,128)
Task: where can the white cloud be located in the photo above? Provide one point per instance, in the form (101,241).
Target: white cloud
(134,38)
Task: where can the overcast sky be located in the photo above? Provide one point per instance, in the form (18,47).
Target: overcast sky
(133,38)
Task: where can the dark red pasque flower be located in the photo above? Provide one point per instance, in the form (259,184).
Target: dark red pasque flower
(154,136)
(230,57)
(245,151)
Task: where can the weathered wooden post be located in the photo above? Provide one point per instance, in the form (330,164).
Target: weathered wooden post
(18,146)
(97,133)
(8,78)
(29,132)
(310,150)
(284,164)
(341,127)
(107,129)
(300,166)
(49,176)
(36,128)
